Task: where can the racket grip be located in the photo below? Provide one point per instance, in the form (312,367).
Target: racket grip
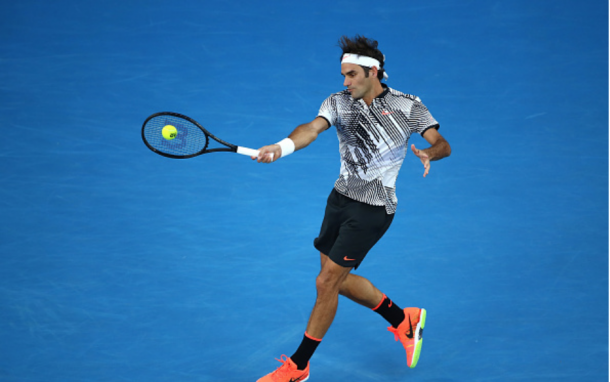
(249,152)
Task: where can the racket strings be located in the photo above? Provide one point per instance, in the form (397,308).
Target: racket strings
(189,139)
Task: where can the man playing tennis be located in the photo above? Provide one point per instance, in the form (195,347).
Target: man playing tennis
(374,123)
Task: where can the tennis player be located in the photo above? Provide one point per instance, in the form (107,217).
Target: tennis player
(374,123)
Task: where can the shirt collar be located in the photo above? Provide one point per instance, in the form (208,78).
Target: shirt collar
(385,91)
(380,97)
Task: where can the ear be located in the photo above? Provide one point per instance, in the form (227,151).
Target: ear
(373,72)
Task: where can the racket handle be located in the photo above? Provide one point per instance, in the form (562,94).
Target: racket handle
(249,152)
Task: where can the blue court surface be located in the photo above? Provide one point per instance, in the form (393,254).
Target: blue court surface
(117,264)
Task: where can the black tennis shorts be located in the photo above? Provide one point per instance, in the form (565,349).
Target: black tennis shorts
(350,229)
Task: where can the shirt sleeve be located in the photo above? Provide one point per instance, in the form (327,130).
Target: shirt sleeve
(328,110)
(421,119)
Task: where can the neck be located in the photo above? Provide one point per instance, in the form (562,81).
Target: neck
(375,91)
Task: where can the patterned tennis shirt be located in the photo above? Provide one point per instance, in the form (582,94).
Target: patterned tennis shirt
(373,142)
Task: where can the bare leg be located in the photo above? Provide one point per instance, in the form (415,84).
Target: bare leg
(357,288)
(328,284)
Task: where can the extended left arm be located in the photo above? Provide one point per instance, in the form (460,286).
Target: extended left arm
(439,149)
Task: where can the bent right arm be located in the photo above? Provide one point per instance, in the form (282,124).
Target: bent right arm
(302,136)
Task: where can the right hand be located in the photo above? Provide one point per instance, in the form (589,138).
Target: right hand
(268,154)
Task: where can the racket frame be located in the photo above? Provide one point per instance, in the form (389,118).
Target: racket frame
(230,147)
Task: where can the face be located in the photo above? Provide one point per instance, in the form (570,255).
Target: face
(356,81)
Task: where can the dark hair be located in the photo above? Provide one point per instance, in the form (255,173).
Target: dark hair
(363,46)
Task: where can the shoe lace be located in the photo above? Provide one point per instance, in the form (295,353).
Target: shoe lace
(282,371)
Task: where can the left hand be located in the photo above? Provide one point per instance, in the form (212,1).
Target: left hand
(425,159)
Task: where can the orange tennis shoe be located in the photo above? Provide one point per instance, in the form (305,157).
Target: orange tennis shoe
(409,332)
(287,372)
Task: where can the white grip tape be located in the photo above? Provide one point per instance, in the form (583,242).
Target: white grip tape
(247,151)
(250,152)
(287,146)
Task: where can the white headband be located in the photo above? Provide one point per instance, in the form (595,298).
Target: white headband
(369,62)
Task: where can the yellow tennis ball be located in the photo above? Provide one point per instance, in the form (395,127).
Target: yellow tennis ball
(169,132)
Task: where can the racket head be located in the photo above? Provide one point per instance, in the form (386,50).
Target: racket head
(191,138)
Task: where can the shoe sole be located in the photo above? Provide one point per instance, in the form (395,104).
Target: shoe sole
(419,330)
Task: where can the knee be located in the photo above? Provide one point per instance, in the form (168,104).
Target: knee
(324,285)
(328,283)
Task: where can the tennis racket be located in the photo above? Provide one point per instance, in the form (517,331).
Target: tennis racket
(189,139)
